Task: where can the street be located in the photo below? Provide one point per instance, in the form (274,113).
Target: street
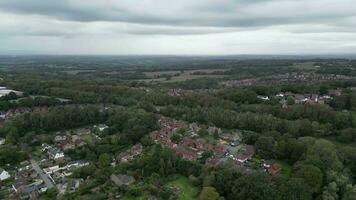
(44,176)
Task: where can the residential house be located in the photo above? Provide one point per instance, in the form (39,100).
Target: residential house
(300,99)
(83,131)
(101,127)
(212,130)
(263,98)
(136,149)
(185,153)
(273,168)
(192,143)
(193,129)
(55,154)
(19,184)
(245,154)
(2,115)
(170,124)
(45,147)
(122,180)
(4,175)
(29,192)
(311,102)
(335,92)
(40,109)
(280,95)
(28,184)
(131,153)
(77,164)
(51,170)
(66,145)
(60,138)
(74,184)
(232,138)
(13,112)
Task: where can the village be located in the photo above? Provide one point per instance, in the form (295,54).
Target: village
(49,166)
(288,78)
(225,148)
(289,98)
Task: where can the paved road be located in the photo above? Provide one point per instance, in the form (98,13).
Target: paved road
(44,176)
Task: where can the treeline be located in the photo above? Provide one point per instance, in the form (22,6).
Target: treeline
(29,102)
(134,122)
(318,113)
(58,118)
(247,121)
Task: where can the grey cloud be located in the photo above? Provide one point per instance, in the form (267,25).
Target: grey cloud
(210,13)
(182,26)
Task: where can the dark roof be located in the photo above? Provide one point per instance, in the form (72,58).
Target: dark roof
(29,189)
(121,180)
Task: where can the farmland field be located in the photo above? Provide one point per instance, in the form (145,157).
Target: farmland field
(178,76)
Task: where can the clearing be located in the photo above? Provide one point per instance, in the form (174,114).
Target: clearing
(187,190)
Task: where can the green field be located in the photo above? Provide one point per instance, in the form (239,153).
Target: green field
(187,190)
(286,169)
(87,138)
(183,76)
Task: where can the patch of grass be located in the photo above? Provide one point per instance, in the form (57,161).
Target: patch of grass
(187,190)
(286,168)
(37,152)
(87,138)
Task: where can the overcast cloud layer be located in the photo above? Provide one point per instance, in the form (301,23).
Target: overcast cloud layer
(178,27)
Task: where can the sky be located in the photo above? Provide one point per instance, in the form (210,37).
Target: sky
(181,27)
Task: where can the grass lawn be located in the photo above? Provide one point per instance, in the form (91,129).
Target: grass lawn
(286,168)
(37,152)
(87,138)
(188,191)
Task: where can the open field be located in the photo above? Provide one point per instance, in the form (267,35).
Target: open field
(177,76)
(187,190)
(305,66)
(75,72)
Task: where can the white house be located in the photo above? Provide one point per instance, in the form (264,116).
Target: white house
(2,141)
(2,115)
(45,147)
(55,154)
(264,98)
(51,170)
(4,175)
(77,164)
(60,138)
(101,127)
